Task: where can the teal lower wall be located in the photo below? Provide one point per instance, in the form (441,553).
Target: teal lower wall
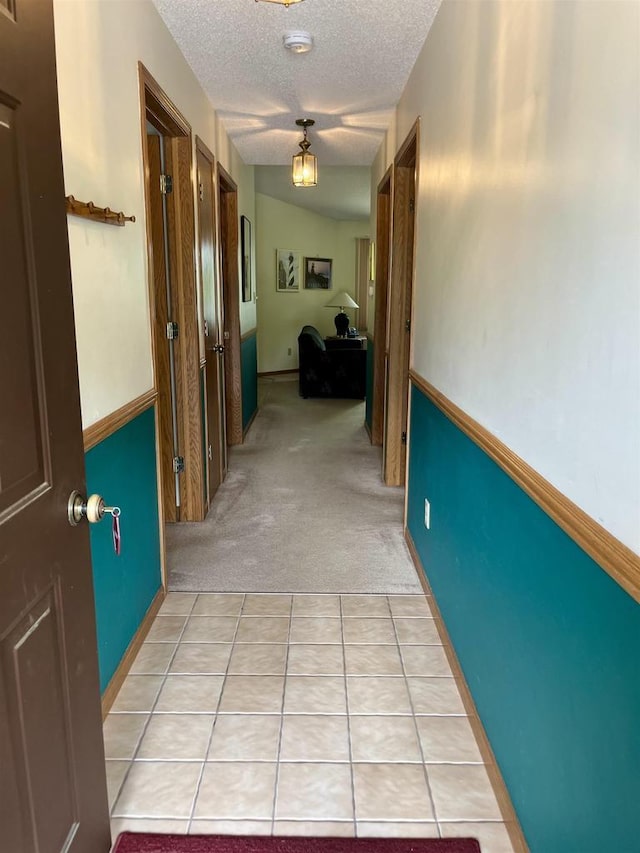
(549,643)
(122,469)
(249,360)
(368,412)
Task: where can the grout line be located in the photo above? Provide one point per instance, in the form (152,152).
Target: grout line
(415,725)
(346,699)
(284,690)
(215,718)
(150,712)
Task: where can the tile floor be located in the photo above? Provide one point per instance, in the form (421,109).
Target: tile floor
(296,714)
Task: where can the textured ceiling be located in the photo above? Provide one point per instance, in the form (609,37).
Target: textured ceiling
(349,83)
(343,192)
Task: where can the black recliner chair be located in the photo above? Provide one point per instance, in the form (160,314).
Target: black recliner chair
(336,372)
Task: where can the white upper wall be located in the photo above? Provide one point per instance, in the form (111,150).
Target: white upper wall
(527,297)
(98,47)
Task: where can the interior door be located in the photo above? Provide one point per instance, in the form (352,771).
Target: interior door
(52,773)
(214,343)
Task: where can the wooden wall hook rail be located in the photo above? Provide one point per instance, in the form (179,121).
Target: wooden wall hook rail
(89,210)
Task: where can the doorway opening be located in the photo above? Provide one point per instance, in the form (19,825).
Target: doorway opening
(400,303)
(381,316)
(175,335)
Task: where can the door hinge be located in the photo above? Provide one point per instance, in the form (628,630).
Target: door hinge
(201,191)
(412,205)
(178,464)
(166,184)
(172,331)
(407,325)
(210,453)
(404,438)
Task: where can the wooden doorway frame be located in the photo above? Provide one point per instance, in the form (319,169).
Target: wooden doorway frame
(211,316)
(384,207)
(229,269)
(403,244)
(157,108)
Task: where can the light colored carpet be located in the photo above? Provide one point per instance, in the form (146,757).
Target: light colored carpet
(303,509)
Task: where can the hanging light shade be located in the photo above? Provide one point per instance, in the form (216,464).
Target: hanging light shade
(304,169)
(281,2)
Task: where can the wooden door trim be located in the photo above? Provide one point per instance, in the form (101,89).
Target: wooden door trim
(208,364)
(110,424)
(383,270)
(228,220)
(157,106)
(405,181)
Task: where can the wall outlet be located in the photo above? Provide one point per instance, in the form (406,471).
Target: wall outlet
(427,514)
(289,351)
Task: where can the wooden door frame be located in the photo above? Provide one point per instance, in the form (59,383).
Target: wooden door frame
(403,253)
(384,207)
(211,357)
(229,277)
(156,105)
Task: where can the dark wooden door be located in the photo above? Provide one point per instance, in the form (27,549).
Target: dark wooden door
(214,368)
(52,773)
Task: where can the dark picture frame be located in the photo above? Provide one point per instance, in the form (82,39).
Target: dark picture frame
(287,271)
(246,248)
(317,273)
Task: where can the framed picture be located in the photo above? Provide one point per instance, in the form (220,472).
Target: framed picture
(317,273)
(245,238)
(288,271)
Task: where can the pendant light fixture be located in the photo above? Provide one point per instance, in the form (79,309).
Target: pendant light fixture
(281,2)
(304,170)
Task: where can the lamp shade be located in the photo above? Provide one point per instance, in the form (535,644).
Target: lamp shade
(282,2)
(304,170)
(341,300)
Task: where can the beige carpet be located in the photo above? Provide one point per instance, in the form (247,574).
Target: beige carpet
(303,509)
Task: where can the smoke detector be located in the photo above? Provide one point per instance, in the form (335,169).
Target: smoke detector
(298,42)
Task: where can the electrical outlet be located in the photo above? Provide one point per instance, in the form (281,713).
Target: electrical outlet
(427,514)
(289,351)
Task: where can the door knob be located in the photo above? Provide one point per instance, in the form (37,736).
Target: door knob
(219,348)
(93,509)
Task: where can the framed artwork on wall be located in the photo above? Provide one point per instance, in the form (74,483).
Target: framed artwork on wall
(245,239)
(317,273)
(287,271)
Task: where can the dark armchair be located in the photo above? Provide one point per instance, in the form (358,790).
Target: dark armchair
(336,372)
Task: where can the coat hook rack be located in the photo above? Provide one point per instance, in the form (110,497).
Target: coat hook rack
(89,210)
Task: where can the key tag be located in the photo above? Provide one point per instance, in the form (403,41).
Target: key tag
(115,530)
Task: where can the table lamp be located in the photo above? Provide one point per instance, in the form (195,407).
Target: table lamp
(341,300)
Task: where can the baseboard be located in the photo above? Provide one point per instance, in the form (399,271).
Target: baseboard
(248,426)
(277,372)
(113,688)
(493,771)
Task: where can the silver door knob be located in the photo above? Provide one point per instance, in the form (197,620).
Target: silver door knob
(219,348)
(93,509)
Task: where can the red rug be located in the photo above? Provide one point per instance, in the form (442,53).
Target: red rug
(129,842)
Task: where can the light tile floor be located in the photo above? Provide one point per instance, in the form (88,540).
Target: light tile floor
(296,714)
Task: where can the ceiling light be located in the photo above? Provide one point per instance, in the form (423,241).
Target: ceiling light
(281,2)
(304,164)
(298,42)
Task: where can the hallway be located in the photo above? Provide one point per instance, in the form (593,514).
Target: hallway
(302,509)
(262,711)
